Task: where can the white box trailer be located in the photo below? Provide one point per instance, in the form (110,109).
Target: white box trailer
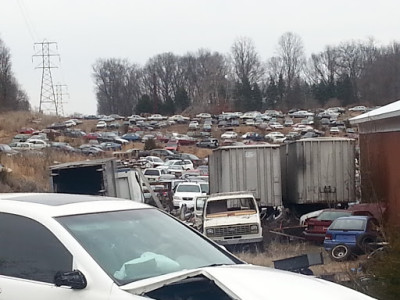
(318,171)
(252,168)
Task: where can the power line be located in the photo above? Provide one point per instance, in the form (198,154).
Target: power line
(48,101)
(27,21)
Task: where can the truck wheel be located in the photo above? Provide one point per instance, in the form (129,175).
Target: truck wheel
(340,253)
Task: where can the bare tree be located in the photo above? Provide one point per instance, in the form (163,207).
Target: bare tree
(323,67)
(246,62)
(117,85)
(291,54)
(274,67)
(379,80)
(11,96)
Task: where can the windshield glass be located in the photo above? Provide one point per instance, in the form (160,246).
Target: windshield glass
(204,188)
(225,205)
(332,215)
(348,224)
(135,244)
(152,172)
(186,188)
(169,162)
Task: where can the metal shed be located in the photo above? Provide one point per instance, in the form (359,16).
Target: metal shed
(379,141)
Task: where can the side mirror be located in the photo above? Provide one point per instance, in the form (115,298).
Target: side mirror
(74,279)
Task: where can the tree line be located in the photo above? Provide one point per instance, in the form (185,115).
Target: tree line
(350,73)
(12,97)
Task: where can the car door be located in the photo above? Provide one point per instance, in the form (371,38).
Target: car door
(30,256)
(187,164)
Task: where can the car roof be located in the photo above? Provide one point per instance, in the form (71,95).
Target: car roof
(335,209)
(49,205)
(193,182)
(356,218)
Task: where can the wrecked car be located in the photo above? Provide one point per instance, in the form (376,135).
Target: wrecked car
(232,219)
(62,246)
(348,236)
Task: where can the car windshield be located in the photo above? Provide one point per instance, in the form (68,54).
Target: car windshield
(169,162)
(188,188)
(204,188)
(135,244)
(152,172)
(348,224)
(225,205)
(332,215)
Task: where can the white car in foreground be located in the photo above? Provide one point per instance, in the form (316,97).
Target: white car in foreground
(76,247)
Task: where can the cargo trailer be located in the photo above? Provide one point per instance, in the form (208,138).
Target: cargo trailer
(252,168)
(318,171)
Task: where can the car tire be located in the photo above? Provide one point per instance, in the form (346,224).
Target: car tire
(366,243)
(340,252)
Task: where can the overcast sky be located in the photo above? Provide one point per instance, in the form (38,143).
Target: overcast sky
(86,30)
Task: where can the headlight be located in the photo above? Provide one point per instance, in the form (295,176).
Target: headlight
(177,198)
(254,228)
(209,231)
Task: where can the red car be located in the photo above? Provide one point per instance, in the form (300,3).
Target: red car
(27,130)
(316,227)
(172,145)
(92,136)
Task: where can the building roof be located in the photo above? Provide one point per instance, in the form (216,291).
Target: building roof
(384,112)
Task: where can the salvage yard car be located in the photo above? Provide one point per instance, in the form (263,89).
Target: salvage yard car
(186,193)
(60,246)
(233,219)
(352,235)
(316,227)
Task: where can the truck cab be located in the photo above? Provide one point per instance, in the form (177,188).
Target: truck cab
(232,218)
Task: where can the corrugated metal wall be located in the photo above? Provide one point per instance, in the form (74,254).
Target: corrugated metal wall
(380,171)
(320,170)
(248,168)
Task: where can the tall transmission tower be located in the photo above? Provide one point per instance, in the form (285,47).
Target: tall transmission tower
(48,101)
(59,97)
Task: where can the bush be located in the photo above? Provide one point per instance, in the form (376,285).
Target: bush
(383,270)
(150,144)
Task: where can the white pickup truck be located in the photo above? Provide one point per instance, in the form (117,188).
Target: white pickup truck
(232,218)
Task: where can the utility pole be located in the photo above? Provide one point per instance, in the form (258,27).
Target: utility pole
(48,101)
(59,97)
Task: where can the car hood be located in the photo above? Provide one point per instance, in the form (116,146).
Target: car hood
(253,282)
(188,194)
(226,219)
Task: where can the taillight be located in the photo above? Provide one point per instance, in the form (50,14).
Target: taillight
(328,236)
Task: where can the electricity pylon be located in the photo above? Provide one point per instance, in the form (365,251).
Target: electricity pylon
(59,98)
(48,101)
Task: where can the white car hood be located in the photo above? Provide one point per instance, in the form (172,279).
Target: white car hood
(232,220)
(188,194)
(254,283)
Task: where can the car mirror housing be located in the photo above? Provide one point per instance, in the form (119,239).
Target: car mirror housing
(74,279)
